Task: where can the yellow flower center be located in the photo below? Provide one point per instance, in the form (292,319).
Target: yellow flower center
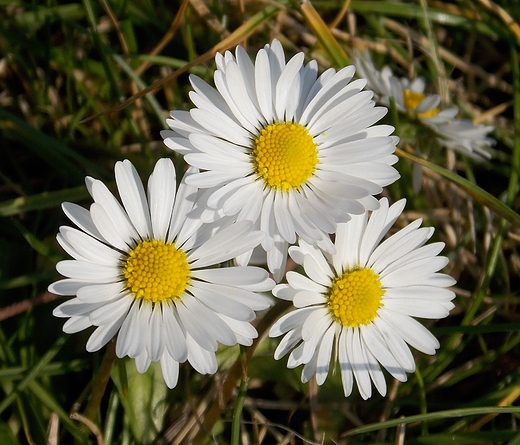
(284,155)
(412,101)
(156,271)
(355,297)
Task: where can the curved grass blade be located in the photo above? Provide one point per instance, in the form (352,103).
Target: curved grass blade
(438,415)
(41,201)
(323,34)
(477,193)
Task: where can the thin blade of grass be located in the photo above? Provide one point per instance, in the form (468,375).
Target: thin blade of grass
(438,415)
(324,36)
(41,201)
(477,193)
(56,154)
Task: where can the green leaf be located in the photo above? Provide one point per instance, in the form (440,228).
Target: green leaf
(143,399)
(6,435)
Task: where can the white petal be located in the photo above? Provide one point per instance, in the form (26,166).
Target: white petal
(103,334)
(81,218)
(219,303)
(264,89)
(226,244)
(170,370)
(133,196)
(222,126)
(76,324)
(250,276)
(411,331)
(283,217)
(203,361)
(174,334)
(374,369)
(288,342)
(115,309)
(347,377)
(109,231)
(418,307)
(315,272)
(301,282)
(130,341)
(161,197)
(101,293)
(244,331)
(324,355)
(88,272)
(359,363)
(66,287)
(90,248)
(74,307)
(307,298)
(142,362)
(181,225)
(114,211)
(282,89)
(290,321)
(203,324)
(375,343)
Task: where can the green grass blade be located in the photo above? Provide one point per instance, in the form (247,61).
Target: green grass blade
(477,193)
(41,201)
(56,154)
(438,415)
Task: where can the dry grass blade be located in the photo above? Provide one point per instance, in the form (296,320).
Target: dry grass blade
(421,41)
(503,15)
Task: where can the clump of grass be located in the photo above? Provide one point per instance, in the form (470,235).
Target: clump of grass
(65,71)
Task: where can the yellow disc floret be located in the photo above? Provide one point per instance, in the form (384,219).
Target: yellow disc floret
(355,297)
(156,271)
(412,101)
(284,155)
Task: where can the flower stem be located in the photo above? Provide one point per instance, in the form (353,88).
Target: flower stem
(239,404)
(100,380)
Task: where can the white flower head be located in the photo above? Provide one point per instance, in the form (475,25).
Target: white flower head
(144,270)
(410,96)
(462,135)
(360,302)
(292,151)
(452,132)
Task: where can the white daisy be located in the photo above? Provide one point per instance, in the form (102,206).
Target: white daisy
(360,302)
(462,135)
(281,146)
(410,97)
(144,270)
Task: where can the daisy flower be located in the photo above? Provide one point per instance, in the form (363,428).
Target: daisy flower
(409,95)
(462,135)
(452,132)
(144,270)
(292,151)
(360,302)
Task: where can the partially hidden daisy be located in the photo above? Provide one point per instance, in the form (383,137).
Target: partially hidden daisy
(145,271)
(293,151)
(410,97)
(356,307)
(462,135)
